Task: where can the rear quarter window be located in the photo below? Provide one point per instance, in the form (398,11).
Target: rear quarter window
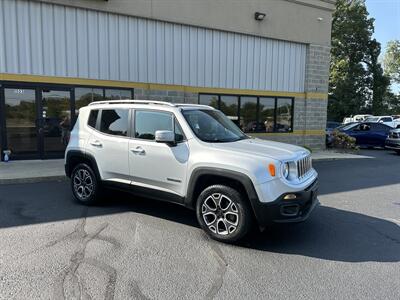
(93,118)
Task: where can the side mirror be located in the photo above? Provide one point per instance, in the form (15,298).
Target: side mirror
(165,136)
(381,121)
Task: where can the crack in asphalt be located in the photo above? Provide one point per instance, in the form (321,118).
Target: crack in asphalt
(69,275)
(388,237)
(216,252)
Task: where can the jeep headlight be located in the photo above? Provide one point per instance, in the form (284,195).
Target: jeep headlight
(285,170)
(289,170)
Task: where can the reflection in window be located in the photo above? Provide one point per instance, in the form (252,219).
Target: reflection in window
(114,121)
(267,114)
(248,115)
(114,94)
(284,115)
(229,106)
(84,96)
(148,122)
(211,100)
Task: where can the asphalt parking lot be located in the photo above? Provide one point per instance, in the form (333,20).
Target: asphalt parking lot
(128,248)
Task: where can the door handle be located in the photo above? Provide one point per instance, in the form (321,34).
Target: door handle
(96,143)
(138,150)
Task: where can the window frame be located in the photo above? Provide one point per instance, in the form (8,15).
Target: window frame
(276,98)
(173,117)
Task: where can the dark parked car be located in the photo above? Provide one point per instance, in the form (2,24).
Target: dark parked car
(368,134)
(393,140)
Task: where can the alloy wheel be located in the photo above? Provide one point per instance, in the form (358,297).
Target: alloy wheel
(83,184)
(220,214)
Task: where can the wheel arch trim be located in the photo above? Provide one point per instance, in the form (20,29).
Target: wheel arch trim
(197,173)
(72,154)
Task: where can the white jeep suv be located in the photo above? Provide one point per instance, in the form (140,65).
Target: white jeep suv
(191,155)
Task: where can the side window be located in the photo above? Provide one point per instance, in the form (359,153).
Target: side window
(93,118)
(148,122)
(365,127)
(380,127)
(114,121)
(386,119)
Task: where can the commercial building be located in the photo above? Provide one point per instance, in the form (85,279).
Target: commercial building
(264,63)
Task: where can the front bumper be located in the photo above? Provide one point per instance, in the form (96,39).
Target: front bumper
(286,211)
(392,144)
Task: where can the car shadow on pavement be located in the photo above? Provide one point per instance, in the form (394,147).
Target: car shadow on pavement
(333,234)
(330,234)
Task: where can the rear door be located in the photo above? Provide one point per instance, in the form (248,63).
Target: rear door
(109,142)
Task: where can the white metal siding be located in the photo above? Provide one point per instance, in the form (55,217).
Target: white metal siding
(53,40)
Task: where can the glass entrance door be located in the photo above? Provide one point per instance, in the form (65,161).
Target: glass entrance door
(55,125)
(21,113)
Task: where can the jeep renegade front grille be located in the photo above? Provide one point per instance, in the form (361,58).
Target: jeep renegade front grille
(304,166)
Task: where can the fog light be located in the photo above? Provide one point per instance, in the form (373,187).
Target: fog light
(290,197)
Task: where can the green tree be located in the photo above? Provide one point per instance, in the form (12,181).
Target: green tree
(391,60)
(356,82)
(379,83)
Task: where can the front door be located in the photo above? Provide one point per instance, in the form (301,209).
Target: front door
(21,118)
(55,122)
(158,165)
(37,122)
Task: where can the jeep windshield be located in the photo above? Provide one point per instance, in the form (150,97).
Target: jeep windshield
(213,126)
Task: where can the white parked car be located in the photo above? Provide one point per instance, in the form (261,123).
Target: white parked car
(356,118)
(191,155)
(387,120)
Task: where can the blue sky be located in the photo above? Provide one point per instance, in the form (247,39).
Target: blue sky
(387,19)
(387,23)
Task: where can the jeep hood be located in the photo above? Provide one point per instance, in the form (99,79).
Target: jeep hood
(263,148)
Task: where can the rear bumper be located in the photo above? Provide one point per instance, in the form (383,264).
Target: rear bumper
(288,211)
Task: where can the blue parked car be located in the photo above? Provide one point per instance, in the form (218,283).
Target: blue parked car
(368,134)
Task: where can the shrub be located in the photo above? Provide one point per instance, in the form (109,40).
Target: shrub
(343,141)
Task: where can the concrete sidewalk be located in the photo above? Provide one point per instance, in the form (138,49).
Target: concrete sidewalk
(26,171)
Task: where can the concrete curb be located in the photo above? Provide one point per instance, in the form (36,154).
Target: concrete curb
(33,179)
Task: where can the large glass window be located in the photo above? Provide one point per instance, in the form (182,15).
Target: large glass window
(114,94)
(248,115)
(114,121)
(284,115)
(56,120)
(229,106)
(267,114)
(211,100)
(148,122)
(84,96)
(256,114)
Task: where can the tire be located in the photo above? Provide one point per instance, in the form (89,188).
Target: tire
(223,213)
(84,184)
